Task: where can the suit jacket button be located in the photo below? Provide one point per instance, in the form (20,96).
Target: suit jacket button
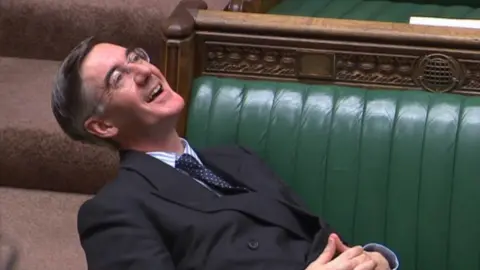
(253,244)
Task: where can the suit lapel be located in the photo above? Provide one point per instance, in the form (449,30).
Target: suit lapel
(168,182)
(241,168)
(176,187)
(233,166)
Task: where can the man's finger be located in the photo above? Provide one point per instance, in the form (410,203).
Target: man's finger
(351,253)
(368,265)
(328,252)
(356,261)
(341,247)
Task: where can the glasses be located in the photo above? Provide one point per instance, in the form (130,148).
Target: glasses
(116,77)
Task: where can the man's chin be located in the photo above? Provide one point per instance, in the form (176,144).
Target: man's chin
(175,110)
(166,117)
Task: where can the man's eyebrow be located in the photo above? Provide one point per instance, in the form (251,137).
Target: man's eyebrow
(106,80)
(128,51)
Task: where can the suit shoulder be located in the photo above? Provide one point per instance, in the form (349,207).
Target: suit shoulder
(126,185)
(123,192)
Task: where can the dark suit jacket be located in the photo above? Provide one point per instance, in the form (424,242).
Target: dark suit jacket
(154,217)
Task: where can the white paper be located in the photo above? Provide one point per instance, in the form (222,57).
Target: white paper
(445,22)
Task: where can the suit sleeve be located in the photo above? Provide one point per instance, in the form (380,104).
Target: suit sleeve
(118,236)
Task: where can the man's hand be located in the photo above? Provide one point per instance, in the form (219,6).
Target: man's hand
(350,259)
(381,262)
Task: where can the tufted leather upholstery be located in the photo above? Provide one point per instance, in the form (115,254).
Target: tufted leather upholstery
(379,10)
(393,167)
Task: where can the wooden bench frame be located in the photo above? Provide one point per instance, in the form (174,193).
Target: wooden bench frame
(375,55)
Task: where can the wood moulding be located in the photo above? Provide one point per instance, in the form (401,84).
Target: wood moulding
(337,29)
(434,72)
(365,54)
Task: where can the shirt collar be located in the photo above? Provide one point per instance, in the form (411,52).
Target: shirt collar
(171,157)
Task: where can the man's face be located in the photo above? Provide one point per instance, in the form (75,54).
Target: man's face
(134,94)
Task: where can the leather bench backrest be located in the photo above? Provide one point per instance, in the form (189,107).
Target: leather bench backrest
(471,3)
(398,11)
(394,167)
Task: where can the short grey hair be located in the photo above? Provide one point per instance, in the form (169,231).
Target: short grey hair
(72,102)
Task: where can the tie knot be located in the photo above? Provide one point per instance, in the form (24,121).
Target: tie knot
(187,162)
(195,169)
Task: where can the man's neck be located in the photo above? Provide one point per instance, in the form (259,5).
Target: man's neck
(168,142)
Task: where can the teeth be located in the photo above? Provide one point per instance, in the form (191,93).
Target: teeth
(154,93)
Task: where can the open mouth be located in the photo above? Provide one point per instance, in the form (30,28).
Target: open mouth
(155,93)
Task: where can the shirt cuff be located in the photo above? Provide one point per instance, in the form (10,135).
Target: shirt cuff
(386,252)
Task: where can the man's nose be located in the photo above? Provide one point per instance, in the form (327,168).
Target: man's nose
(141,73)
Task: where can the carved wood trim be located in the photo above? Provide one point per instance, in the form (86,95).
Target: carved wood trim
(249,60)
(374,69)
(472,75)
(339,63)
(313,54)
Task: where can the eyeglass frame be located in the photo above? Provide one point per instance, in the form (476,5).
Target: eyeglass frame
(99,105)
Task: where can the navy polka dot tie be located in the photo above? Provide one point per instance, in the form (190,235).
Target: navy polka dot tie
(190,165)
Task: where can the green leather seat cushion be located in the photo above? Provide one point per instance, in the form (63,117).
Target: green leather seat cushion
(390,11)
(393,167)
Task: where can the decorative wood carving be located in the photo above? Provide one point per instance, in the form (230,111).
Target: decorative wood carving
(472,75)
(251,60)
(375,69)
(334,51)
(319,65)
(432,72)
(438,73)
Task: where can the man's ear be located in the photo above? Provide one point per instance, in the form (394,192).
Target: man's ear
(100,128)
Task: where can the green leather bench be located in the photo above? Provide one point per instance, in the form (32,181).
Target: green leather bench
(398,167)
(379,10)
(394,167)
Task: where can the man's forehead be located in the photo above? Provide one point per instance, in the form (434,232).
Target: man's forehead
(100,60)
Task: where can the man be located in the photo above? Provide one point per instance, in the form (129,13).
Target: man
(172,207)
